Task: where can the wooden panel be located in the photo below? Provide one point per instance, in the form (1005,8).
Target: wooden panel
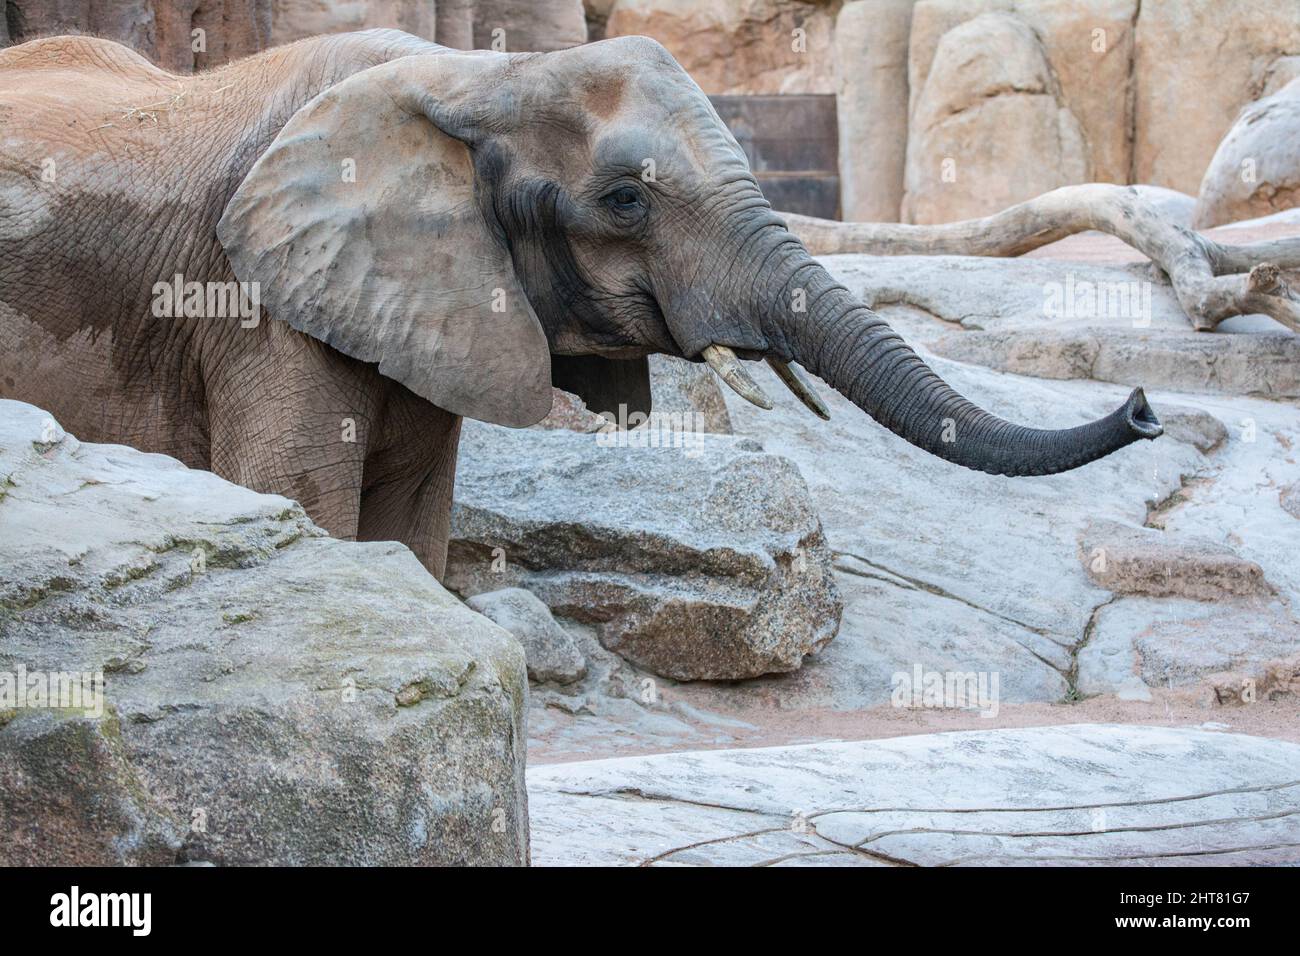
(792,143)
(808,195)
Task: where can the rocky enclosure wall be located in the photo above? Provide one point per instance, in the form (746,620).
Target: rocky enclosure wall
(948,109)
(958,108)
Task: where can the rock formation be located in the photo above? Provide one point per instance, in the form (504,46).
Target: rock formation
(269,695)
(1256,169)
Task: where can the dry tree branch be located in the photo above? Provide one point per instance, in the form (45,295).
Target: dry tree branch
(1207,276)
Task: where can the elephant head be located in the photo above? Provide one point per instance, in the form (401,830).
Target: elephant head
(482,224)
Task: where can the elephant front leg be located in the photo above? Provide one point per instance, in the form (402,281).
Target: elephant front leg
(409,478)
(291,417)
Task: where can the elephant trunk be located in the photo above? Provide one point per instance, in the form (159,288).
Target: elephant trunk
(858,354)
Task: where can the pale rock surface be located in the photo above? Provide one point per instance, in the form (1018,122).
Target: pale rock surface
(919,589)
(455,23)
(1276,681)
(697,558)
(569,413)
(532,26)
(537,26)
(1258,365)
(739,47)
(1179,642)
(552,654)
(597,16)
(911,538)
(989,125)
(161,30)
(1193,426)
(926,583)
(1280,73)
(1081,795)
(1256,169)
(295,19)
(1289,499)
(924,580)
(272,695)
(1196,64)
(687,395)
(1043,317)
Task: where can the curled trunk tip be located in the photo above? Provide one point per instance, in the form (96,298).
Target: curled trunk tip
(1141,419)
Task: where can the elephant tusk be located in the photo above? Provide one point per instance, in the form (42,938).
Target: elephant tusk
(723,361)
(802,390)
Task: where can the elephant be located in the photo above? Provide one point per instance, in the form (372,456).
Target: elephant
(415,235)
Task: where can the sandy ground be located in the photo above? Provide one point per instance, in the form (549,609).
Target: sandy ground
(774,727)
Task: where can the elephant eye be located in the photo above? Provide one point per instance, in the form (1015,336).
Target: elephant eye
(624,198)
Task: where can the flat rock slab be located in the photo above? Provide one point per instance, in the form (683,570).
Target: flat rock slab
(271,695)
(1083,794)
(1158,563)
(1141,642)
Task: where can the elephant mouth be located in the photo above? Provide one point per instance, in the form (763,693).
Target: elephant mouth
(727,365)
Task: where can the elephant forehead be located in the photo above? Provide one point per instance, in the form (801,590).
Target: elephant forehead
(611,80)
(681,137)
(618,54)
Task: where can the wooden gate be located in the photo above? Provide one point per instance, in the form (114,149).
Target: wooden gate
(793,144)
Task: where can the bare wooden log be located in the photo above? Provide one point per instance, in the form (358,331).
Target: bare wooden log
(1207,277)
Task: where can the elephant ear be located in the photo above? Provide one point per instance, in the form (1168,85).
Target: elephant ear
(361,227)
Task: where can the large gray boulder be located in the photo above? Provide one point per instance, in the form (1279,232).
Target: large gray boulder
(1085,794)
(704,560)
(270,695)
(687,395)
(553,656)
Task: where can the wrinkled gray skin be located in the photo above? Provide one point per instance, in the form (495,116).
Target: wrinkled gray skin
(514,178)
